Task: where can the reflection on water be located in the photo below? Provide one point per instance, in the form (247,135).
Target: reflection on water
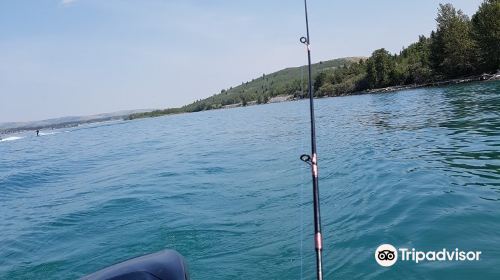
(459,126)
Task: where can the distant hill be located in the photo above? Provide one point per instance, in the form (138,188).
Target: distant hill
(461,49)
(12,127)
(286,82)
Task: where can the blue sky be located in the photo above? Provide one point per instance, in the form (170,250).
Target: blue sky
(80,57)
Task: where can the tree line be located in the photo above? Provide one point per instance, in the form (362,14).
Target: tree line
(460,46)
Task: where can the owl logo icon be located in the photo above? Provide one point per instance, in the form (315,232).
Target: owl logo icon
(386,255)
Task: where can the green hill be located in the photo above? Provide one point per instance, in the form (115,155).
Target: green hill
(286,82)
(460,49)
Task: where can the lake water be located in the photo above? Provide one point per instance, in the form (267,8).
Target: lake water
(417,169)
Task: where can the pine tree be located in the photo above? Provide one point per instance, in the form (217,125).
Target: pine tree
(380,69)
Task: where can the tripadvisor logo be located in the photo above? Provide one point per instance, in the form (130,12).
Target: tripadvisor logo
(387,255)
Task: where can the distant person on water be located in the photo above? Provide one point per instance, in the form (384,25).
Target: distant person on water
(37,132)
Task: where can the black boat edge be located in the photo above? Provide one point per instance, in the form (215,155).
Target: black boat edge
(163,265)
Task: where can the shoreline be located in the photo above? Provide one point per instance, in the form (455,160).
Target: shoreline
(287,98)
(464,80)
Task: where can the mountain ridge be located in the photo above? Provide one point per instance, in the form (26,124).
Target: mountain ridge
(67,121)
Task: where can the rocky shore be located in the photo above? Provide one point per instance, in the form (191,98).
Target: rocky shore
(483,77)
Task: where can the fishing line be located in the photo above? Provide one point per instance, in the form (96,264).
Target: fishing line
(302,177)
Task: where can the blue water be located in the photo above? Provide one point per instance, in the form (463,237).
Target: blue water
(418,168)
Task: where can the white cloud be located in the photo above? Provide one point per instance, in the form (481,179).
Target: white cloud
(67,2)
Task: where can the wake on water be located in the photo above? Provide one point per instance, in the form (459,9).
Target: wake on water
(12,138)
(48,133)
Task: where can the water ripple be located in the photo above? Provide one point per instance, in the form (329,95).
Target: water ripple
(225,188)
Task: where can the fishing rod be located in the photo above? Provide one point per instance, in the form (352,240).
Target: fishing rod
(312,159)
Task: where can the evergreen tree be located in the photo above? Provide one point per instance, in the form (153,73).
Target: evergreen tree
(415,62)
(380,69)
(320,79)
(453,48)
(486,33)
